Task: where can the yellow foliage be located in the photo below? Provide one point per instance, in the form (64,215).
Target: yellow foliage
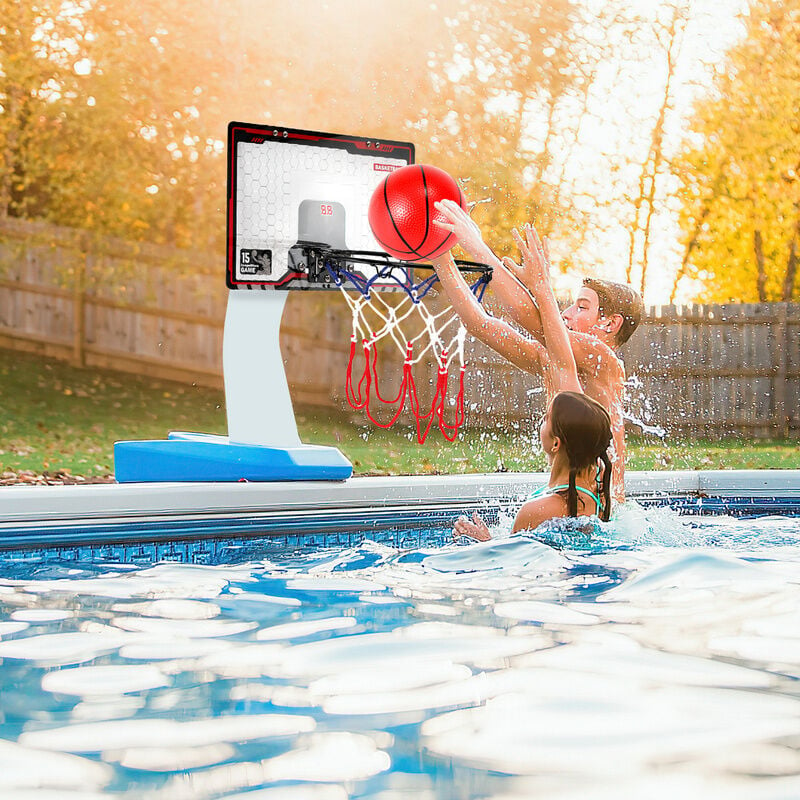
(740,187)
(163,81)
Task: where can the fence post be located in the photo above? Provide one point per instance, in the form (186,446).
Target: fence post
(781,340)
(79,304)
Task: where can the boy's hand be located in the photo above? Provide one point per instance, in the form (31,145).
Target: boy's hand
(459,223)
(473,529)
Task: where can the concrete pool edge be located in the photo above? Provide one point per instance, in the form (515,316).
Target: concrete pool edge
(49,516)
(93,501)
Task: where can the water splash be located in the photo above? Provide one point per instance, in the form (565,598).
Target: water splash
(639,409)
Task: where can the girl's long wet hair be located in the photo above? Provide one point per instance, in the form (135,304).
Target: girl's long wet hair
(584,427)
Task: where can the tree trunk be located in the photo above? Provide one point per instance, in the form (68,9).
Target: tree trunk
(653,165)
(761,280)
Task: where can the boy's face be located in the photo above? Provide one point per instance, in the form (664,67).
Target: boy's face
(584,314)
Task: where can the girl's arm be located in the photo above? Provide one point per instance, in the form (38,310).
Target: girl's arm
(530,516)
(535,275)
(522,351)
(474,528)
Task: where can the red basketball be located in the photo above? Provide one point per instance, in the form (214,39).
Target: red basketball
(401,212)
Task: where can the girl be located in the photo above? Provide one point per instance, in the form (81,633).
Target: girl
(575,436)
(576,431)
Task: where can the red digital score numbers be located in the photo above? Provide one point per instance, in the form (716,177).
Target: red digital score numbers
(326,210)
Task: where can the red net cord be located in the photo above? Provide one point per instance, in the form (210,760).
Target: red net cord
(359,396)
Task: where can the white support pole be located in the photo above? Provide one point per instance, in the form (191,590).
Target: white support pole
(259,406)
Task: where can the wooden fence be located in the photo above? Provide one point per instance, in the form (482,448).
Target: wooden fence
(699,370)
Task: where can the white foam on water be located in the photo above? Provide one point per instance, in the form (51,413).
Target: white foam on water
(185,581)
(322,583)
(318,759)
(116,735)
(93,709)
(171,609)
(26,768)
(623,657)
(381,600)
(397,690)
(9,628)
(786,625)
(40,614)
(329,757)
(170,649)
(172,759)
(528,731)
(61,649)
(400,675)
(661,785)
(319,791)
(694,571)
(244,661)
(760,760)
(762,649)
(536,611)
(515,553)
(183,628)
(309,627)
(55,794)
(104,680)
(479,646)
(254,597)
(436,610)
(469,691)
(636,525)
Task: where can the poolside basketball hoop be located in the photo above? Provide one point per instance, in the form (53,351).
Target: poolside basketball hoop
(297,210)
(401,318)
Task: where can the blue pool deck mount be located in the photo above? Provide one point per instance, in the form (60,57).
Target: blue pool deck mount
(194,457)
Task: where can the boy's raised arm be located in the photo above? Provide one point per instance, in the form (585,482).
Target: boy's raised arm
(514,297)
(522,351)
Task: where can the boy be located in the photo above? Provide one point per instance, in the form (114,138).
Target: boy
(601,319)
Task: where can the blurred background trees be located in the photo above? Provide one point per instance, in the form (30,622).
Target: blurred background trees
(740,170)
(113,118)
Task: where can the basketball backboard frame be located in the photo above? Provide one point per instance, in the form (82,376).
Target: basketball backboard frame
(292,193)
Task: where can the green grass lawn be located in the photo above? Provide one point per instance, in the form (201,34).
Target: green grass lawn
(54,417)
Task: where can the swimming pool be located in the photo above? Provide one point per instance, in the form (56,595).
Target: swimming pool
(387,661)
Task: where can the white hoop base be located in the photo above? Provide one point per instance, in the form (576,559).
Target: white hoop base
(262,442)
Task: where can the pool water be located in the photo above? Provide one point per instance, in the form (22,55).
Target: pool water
(658,658)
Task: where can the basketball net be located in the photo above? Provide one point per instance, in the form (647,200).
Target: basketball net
(402,318)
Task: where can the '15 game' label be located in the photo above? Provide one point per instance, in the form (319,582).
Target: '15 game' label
(255,262)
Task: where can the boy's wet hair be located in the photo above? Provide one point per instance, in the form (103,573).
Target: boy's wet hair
(618,298)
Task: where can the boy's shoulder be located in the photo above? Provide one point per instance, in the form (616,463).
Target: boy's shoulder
(595,359)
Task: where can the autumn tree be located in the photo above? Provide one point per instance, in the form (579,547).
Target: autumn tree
(135,155)
(740,188)
(668,34)
(501,82)
(36,43)
(481,87)
(130,101)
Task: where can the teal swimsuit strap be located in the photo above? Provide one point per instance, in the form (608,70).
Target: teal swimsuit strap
(545,490)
